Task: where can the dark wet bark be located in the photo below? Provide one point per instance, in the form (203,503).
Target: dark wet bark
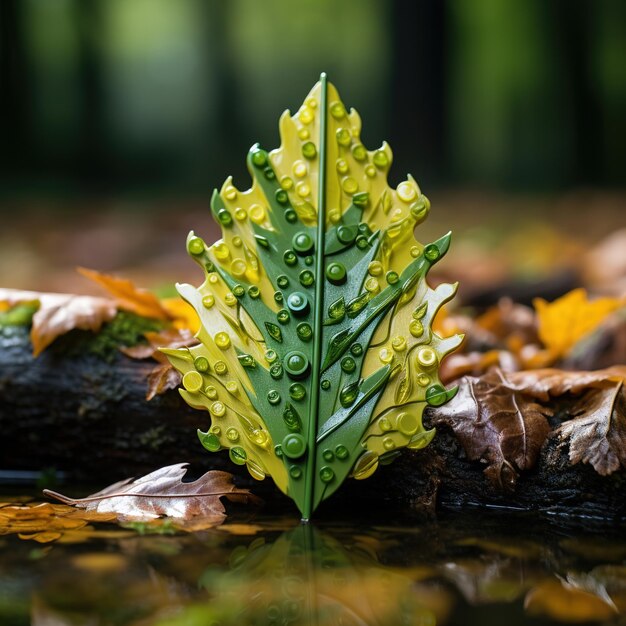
(90,419)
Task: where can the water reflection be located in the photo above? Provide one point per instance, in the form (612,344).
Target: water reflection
(461,570)
(309,577)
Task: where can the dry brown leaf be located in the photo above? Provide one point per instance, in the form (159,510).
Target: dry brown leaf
(500,418)
(497,425)
(598,435)
(163,376)
(476,364)
(544,383)
(163,494)
(168,338)
(128,296)
(59,313)
(562,323)
(507,319)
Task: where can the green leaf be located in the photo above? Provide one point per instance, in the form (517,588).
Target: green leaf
(316,315)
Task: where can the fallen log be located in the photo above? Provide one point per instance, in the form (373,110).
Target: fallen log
(88,417)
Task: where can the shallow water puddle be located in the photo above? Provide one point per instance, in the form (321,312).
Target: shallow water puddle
(464,569)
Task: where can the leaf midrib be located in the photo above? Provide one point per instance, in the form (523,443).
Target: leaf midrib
(318,307)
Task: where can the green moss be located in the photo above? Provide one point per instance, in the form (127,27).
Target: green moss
(19,315)
(125,329)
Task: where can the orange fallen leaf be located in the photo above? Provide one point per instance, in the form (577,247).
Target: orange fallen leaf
(58,313)
(128,296)
(562,323)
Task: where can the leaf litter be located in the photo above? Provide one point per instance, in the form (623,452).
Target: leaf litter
(501,419)
(158,502)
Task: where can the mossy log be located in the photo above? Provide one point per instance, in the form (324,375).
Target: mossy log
(88,417)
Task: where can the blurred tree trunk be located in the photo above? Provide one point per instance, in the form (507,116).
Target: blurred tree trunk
(419,79)
(91,159)
(15,110)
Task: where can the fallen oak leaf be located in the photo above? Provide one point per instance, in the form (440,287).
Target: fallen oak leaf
(163,494)
(58,313)
(495,424)
(128,296)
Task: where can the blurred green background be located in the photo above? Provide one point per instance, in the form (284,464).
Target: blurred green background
(126,107)
(115,96)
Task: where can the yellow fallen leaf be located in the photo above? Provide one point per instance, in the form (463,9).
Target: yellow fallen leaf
(565,321)
(183,314)
(128,296)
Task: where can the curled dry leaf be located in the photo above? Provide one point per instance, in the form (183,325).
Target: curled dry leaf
(163,376)
(598,435)
(162,493)
(58,313)
(500,418)
(497,425)
(128,296)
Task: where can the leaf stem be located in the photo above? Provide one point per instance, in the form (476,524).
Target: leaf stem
(318,307)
